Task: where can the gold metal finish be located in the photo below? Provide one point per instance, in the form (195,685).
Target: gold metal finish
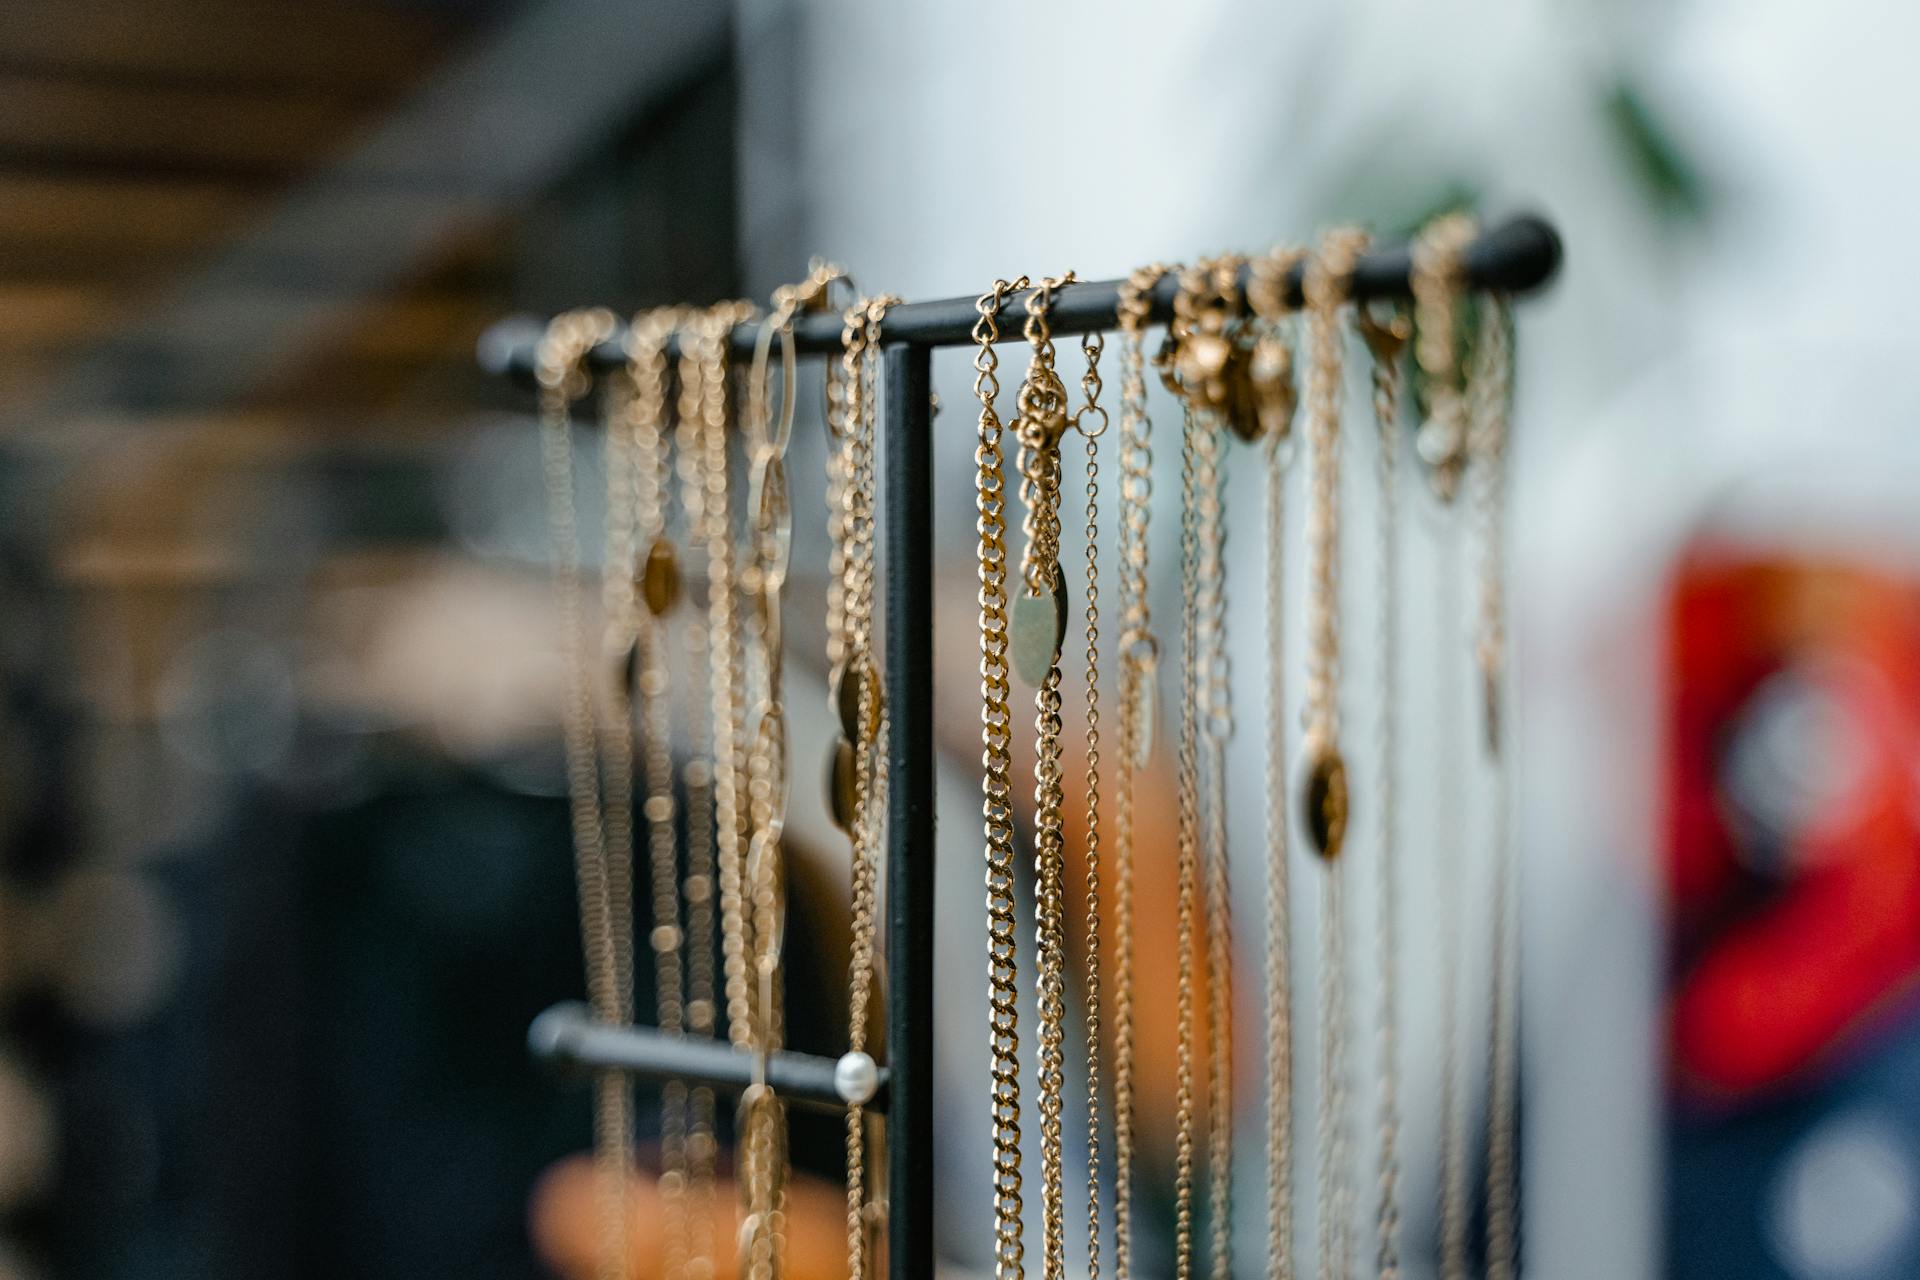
(1138,695)
(996,733)
(1439,280)
(1278,398)
(561,371)
(1325,798)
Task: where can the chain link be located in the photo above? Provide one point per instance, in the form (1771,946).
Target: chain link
(1137,691)
(1091,421)
(1041,397)
(1438,278)
(1266,296)
(1491,388)
(1325,288)
(1386,338)
(996,733)
(560,363)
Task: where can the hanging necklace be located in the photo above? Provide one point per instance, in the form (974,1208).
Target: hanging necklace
(1039,625)
(1138,692)
(1091,421)
(1271,373)
(1438,280)
(643,579)
(1491,388)
(1210,361)
(1386,338)
(996,733)
(699,886)
(564,379)
(856,697)
(1326,801)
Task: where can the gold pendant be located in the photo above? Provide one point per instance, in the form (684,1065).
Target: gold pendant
(1325,802)
(660,578)
(1038,629)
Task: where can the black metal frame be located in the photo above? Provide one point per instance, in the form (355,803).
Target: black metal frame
(1517,257)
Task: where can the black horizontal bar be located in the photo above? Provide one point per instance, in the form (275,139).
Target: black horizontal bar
(1517,256)
(568,1036)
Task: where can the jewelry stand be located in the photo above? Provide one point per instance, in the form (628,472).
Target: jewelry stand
(1517,257)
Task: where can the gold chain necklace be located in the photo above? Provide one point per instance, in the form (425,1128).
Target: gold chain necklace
(1091,421)
(1139,662)
(1326,800)
(1038,631)
(996,733)
(700,885)
(1209,366)
(643,571)
(1386,338)
(1272,375)
(1437,282)
(561,370)
(863,726)
(1487,446)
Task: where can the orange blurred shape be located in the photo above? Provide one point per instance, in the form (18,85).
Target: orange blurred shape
(565,1224)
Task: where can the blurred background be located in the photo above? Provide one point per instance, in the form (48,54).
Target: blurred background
(284,867)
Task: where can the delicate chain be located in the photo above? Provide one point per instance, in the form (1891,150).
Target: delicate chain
(1091,419)
(1187,867)
(1487,445)
(996,733)
(1438,277)
(1138,661)
(643,434)
(1454,1206)
(1325,288)
(563,378)
(860,361)
(1216,727)
(1039,459)
(699,886)
(1264,293)
(1385,338)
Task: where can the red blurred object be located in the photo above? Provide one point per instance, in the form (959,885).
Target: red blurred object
(1780,966)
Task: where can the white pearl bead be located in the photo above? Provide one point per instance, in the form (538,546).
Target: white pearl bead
(855,1078)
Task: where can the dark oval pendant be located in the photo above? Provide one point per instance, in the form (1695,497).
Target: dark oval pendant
(1037,630)
(660,578)
(842,785)
(1325,803)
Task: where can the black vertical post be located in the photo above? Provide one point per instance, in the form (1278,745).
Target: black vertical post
(907,534)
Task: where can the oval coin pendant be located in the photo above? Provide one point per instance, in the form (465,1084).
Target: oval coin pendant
(1326,802)
(842,785)
(660,578)
(1038,628)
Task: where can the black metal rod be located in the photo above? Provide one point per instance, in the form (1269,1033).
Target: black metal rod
(1517,256)
(568,1036)
(907,503)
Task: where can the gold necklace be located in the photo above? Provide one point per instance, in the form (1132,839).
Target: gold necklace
(1437,281)
(564,378)
(1039,627)
(1487,445)
(1272,375)
(643,580)
(700,885)
(1386,338)
(863,726)
(1139,663)
(1210,363)
(996,733)
(1326,799)
(1091,422)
